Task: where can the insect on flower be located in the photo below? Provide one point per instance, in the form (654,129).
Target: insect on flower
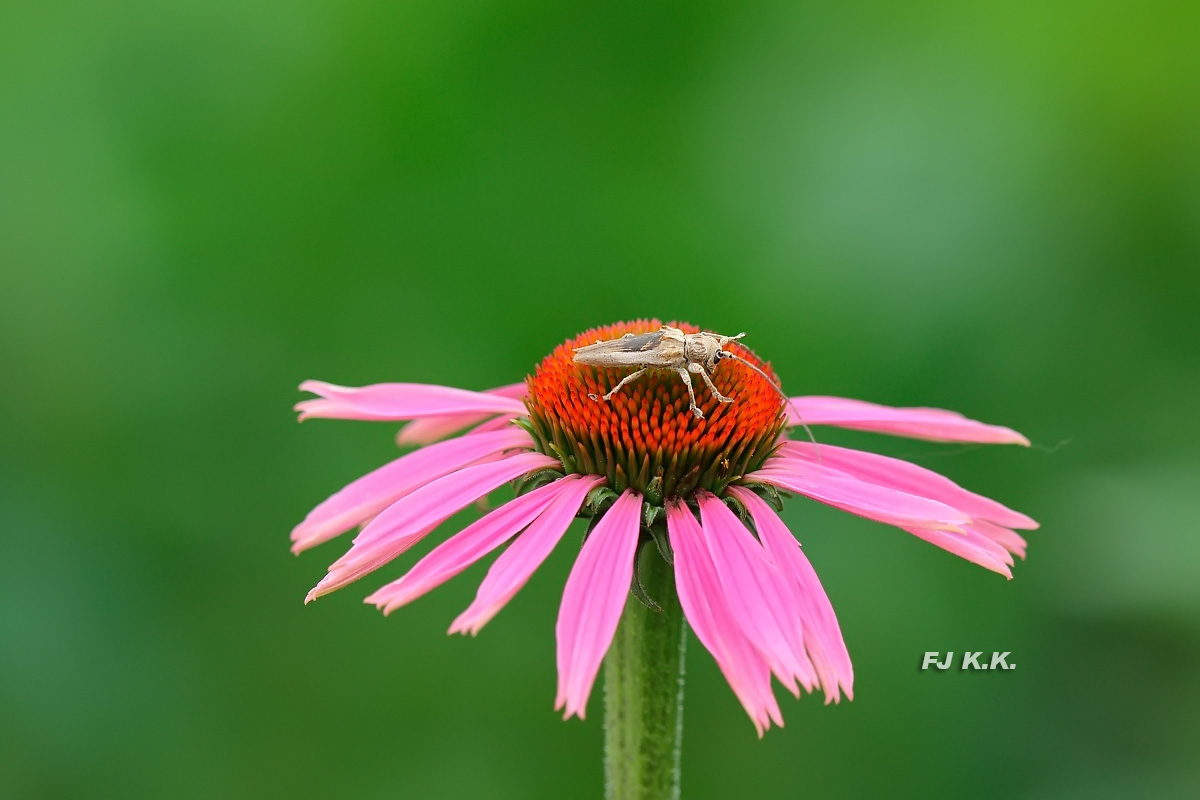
(700,495)
(668,348)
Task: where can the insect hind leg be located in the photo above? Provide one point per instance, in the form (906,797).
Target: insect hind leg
(687,381)
(703,373)
(617,388)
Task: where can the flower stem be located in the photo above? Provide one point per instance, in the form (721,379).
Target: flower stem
(643,691)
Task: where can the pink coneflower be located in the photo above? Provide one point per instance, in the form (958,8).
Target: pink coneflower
(653,479)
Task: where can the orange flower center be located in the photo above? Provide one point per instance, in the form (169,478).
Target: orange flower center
(645,437)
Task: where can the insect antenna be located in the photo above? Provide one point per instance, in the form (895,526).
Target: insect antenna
(775,386)
(786,400)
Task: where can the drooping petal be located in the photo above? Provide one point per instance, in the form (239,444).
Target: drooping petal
(706,608)
(935,424)
(593,600)
(431,429)
(906,477)
(761,601)
(375,491)
(409,519)
(474,542)
(399,401)
(522,558)
(822,633)
(848,493)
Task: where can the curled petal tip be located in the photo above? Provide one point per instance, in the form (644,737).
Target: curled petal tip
(381,603)
(1009,436)
(1004,435)
(300,543)
(305,408)
(465,629)
(321,387)
(568,708)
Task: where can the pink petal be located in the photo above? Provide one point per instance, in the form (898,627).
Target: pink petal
(971,545)
(593,600)
(400,401)
(431,429)
(917,423)
(868,500)
(477,540)
(516,391)
(515,566)
(822,634)
(759,598)
(502,423)
(706,608)
(377,490)
(896,474)
(409,519)
(1002,536)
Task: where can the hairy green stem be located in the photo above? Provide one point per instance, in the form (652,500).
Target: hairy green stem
(643,691)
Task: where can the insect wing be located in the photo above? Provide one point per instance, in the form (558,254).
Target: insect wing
(641,350)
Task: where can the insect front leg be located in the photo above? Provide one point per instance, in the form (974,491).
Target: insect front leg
(617,388)
(699,368)
(687,380)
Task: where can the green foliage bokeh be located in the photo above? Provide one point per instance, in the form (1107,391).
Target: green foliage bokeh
(989,209)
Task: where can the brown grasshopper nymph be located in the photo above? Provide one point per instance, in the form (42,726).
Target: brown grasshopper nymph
(668,348)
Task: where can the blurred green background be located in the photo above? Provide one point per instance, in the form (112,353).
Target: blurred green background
(990,208)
